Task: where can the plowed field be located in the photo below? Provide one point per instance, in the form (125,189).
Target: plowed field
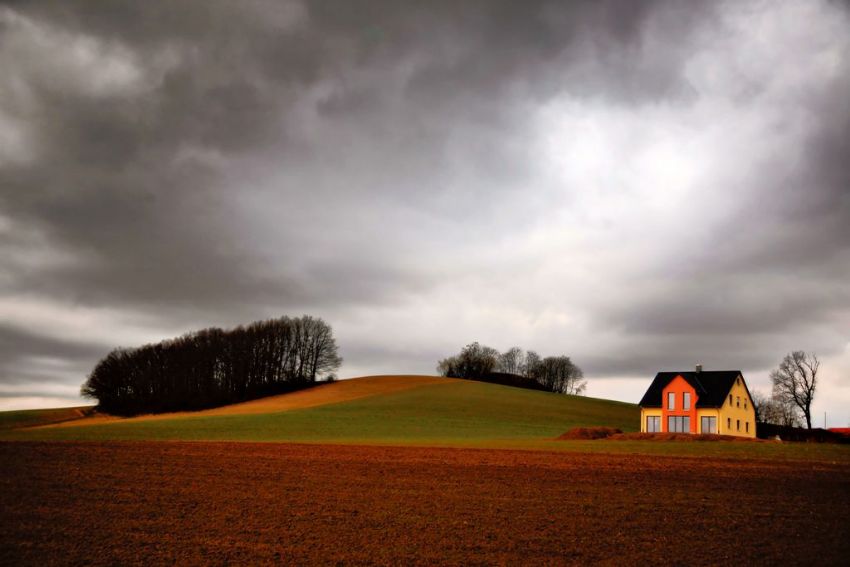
(189,503)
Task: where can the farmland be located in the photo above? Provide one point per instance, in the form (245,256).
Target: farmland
(399,410)
(152,503)
(414,470)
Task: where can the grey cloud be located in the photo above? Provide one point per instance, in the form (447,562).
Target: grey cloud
(19,347)
(106,182)
(217,162)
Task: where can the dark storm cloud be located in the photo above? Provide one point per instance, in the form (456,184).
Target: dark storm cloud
(230,78)
(105,178)
(19,348)
(209,163)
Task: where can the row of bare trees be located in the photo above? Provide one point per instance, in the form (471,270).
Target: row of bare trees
(552,373)
(215,367)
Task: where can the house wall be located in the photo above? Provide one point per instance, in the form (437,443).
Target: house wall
(739,409)
(679,386)
(646,412)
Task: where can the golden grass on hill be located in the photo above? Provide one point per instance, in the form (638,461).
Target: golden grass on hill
(323,394)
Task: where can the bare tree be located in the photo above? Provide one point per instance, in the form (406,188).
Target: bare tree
(560,374)
(774,411)
(795,380)
(474,361)
(760,404)
(510,361)
(449,367)
(530,364)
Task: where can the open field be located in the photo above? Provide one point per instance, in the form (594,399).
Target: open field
(401,410)
(423,410)
(142,503)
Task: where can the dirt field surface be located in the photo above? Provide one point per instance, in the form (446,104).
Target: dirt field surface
(240,503)
(324,394)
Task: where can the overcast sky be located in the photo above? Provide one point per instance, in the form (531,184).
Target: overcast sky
(641,186)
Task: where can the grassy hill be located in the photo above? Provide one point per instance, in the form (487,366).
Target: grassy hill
(31,418)
(395,409)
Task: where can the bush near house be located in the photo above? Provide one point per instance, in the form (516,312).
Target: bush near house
(786,433)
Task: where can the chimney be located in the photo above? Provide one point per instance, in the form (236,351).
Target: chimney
(699,368)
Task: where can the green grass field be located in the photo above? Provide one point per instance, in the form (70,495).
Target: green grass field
(459,414)
(442,413)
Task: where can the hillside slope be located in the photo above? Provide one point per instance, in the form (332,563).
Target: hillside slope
(323,394)
(392,409)
(33,418)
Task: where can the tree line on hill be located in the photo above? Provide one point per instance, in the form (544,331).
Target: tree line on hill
(479,362)
(214,367)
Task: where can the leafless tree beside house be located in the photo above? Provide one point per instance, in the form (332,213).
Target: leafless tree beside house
(795,381)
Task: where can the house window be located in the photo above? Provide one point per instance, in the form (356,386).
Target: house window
(745,403)
(671,400)
(738,401)
(748,426)
(708,424)
(686,401)
(730,399)
(738,424)
(728,423)
(678,424)
(653,424)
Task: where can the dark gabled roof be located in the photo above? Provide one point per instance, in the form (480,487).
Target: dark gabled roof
(712,387)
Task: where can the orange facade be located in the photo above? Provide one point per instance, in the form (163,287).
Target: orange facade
(679,401)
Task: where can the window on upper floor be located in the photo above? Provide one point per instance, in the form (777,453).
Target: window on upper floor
(745,403)
(671,400)
(738,401)
(686,401)
(730,399)
(738,424)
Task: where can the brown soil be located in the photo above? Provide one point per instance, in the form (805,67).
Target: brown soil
(225,503)
(581,433)
(324,394)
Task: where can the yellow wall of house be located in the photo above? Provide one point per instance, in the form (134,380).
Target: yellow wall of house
(739,409)
(646,412)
